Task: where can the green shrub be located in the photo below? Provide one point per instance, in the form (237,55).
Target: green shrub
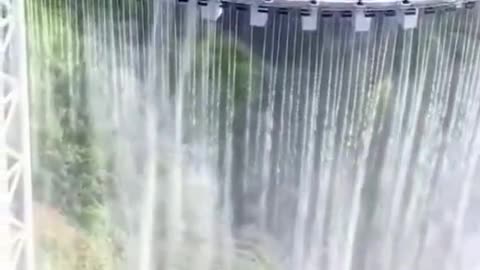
(65,166)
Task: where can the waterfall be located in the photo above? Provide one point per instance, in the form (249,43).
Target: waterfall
(230,146)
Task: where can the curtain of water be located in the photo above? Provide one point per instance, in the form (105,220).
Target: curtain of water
(217,145)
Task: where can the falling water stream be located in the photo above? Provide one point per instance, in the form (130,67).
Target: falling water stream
(236,147)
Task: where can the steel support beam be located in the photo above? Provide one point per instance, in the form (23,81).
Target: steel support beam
(16,230)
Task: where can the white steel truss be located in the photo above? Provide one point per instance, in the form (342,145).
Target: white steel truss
(16,231)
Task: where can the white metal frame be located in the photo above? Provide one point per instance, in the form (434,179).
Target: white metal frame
(341,5)
(16,226)
(405,11)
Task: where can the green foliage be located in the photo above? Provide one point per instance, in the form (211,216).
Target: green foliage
(66,172)
(237,57)
(230,61)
